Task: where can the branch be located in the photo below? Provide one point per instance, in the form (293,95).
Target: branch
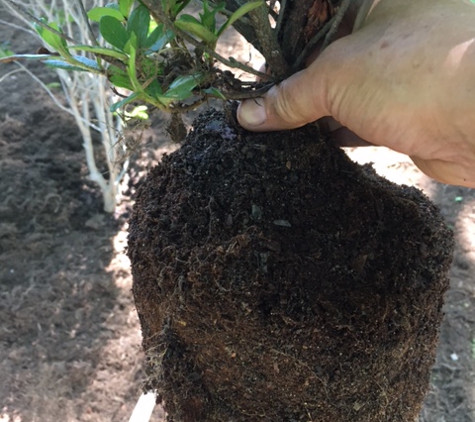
(157,12)
(328,31)
(290,35)
(336,20)
(53,97)
(19,27)
(271,49)
(310,46)
(23,12)
(86,21)
(12,72)
(280,18)
(243,95)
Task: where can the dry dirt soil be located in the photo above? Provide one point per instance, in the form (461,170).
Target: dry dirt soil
(69,335)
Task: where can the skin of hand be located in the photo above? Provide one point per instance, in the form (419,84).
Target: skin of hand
(405,79)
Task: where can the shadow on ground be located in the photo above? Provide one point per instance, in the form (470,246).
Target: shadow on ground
(452,394)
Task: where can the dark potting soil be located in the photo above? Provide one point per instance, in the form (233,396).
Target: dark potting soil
(275,280)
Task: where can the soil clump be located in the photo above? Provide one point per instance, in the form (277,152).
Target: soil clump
(275,280)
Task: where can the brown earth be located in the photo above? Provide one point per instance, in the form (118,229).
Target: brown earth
(275,279)
(69,335)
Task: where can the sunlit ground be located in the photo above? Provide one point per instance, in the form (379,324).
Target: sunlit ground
(394,166)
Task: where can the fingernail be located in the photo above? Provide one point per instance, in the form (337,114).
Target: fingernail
(252,113)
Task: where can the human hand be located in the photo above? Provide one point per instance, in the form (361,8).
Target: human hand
(405,80)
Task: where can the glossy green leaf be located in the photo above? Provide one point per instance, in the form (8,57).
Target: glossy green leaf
(239,13)
(87,63)
(113,32)
(121,81)
(193,26)
(131,44)
(124,102)
(158,38)
(131,65)
(61,64)
(214,92)
(154,89)
(103,51)
(38,28)
(138,22)
(208,17)
(98,13)
(125,6)
(52,39)
(181,88)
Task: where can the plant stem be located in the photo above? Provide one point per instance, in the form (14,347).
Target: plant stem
(22,11)
(157,12)
(310,46)
(280,18)
(267,39)
(335,22)
(243,95)
(86,21)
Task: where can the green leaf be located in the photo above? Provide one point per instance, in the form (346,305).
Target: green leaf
(139,22)
(208,17)
(181,88)
(139,112)
(124,7)
(158,38)
(87,63)
(181,4)
(214,92)
(54,85)
(193,26)
(113,32)
(131,65)
(173,7)
(239,13)
(52,39)
(103,51)
(131,44)
(99,12)
(121,81)
(6,52)
(154,89)
(61,64)
(124,102)
(165,101)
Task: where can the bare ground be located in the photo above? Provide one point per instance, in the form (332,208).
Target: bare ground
(69,335)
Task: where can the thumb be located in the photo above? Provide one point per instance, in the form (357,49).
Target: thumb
(294,102)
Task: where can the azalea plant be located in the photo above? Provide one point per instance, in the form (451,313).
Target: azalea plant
(163,53)
(146,53)
(127,52)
